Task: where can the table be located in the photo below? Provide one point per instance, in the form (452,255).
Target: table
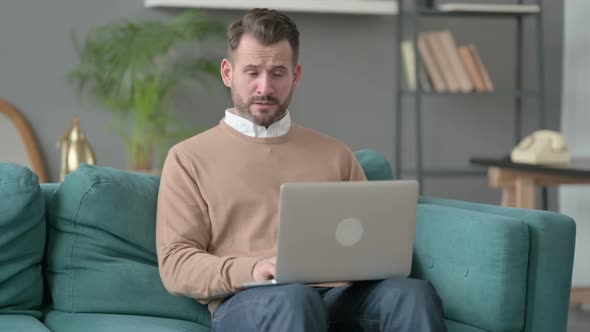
(518,183)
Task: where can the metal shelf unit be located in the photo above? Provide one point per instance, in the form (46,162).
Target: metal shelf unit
(416,14)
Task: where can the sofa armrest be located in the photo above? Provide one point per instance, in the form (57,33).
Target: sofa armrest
(477,262)
(550,263)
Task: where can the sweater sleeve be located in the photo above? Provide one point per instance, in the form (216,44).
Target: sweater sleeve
(356,170)
(183,233)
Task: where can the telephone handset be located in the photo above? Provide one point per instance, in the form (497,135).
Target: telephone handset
(542,147)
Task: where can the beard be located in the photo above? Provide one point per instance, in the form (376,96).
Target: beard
(264,118)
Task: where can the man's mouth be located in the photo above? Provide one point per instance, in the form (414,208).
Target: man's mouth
(264,101)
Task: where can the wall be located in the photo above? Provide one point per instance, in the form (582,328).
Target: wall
(573,200)
(347,88)
(8,146)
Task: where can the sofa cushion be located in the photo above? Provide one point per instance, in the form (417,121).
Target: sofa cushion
(22,241)
(68,322)
(374,164)
(477,262)
(21,323)
(101,249)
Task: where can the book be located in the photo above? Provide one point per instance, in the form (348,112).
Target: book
(409,59)
(482,69)
(430,66)
(472,69)
(489,8)
(409,64)
(456,65)
(424,81)
(443,61)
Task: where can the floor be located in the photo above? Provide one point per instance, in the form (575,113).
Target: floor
(579,319)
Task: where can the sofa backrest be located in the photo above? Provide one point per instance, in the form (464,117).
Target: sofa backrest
(22,241)
(374,164)
(101,247)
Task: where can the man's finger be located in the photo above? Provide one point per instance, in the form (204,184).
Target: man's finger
(273,271)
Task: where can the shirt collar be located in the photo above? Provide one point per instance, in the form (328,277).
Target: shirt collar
(251,129)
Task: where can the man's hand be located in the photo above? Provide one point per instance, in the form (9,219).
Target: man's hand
(265,269)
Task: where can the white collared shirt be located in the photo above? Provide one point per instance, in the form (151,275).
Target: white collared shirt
(251,129)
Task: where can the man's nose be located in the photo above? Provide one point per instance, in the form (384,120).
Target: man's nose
(264,85)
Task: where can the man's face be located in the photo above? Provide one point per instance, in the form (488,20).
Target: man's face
(261,78)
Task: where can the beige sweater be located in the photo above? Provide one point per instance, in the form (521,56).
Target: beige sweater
(218,203)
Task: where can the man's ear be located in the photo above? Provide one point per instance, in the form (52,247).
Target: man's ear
(226,72)
(296,75)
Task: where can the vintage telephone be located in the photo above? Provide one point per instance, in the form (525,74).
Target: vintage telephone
(542,147)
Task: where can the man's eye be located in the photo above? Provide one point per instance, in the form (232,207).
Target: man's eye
(278,74)
(252,73)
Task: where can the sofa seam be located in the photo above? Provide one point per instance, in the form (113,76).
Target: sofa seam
(501,313)
(502,317)
(528,284)
(75,222)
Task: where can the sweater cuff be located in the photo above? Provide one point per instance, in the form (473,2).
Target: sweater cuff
(241,271)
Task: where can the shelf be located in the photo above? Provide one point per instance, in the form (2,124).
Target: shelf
(446,172)
(516,93)
(359,7)
(435,13)
(489,10)
(499,93)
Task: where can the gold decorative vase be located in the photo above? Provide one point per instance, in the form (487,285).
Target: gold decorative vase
(75,149)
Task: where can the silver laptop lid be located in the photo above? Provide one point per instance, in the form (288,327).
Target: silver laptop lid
(346,231)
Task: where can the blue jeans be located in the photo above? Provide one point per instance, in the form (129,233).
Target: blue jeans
(395,304)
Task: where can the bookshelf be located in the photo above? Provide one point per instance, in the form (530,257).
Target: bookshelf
(415,14)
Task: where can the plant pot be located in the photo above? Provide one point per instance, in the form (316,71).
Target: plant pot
(141,156)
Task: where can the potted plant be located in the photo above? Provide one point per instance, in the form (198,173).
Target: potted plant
(131,67)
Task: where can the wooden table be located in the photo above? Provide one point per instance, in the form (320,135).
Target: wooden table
(519,181)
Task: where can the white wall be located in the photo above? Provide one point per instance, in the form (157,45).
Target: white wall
(575,200)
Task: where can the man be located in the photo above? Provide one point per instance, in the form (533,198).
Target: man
(218,204)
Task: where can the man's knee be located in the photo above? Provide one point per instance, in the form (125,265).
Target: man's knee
(295,307)
(296,296)
(411,303)
(414,290)
(420,287)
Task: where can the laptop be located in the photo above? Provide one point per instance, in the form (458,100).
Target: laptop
(344,231)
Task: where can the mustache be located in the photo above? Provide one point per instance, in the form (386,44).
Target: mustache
(264,99)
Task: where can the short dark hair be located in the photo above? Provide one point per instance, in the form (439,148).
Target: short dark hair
(267,26)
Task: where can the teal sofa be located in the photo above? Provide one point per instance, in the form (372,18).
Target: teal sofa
(80,256)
